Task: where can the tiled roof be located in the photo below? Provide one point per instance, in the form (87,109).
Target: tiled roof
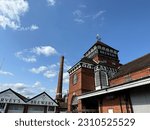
(133,66)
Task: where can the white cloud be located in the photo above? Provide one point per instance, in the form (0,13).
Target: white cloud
(30,55)
(6,73)
(53,66)
(65,77)
(77,13)
(34,27)
(81,17)
(38,70)
(11,12)
(79,20)
(18,87)
(25,58)
(51,2)
(29,59)
(46,71)
(25,89)
(98,14)
(50,74)
(44,50)
(4,22)
(37,84)
(31,28)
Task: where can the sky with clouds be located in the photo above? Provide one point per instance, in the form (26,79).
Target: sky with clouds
(33,36)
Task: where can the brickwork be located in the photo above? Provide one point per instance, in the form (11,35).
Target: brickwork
(98,56)
(116,102)
(132,76)
(85,83)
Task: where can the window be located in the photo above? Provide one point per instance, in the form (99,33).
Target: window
(97,79)
(75,78)
(101,80)
(104,79)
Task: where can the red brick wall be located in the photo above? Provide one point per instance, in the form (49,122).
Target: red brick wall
(88,81)
(118,104)
(134,76)
(85,83)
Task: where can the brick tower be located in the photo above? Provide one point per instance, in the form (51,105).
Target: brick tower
(91,73)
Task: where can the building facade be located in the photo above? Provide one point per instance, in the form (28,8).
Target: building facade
(99,83)
(13,102)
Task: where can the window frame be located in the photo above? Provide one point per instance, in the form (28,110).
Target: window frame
(74,79)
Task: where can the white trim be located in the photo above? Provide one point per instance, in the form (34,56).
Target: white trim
(118,88)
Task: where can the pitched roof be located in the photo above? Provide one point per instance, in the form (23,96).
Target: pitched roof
(17,94)
(42,94)
(21,96)
(135,65)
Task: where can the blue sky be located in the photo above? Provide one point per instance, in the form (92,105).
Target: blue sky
(33,36)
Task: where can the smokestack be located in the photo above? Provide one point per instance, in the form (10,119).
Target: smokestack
(60,80)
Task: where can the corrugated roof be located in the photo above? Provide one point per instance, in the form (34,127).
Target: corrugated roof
(135,65)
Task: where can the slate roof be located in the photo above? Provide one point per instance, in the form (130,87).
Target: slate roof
(133,66)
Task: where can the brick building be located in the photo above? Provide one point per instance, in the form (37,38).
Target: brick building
(99,83)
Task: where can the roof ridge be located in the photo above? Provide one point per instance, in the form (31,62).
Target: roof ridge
(136,59)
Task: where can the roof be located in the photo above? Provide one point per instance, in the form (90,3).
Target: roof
(87,60)
(20,96)
(102,44)
(41,94)
(26,99)
(17,94)
(134,84)
(133,66)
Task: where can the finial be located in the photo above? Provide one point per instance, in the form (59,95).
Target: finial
(98,37)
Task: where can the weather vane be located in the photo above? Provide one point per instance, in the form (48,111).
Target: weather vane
(98,37)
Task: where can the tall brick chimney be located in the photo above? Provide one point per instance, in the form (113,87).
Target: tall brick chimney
(60,80)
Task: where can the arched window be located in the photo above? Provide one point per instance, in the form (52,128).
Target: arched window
(75,78)
(101,79)
(97,78)
(104,79)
